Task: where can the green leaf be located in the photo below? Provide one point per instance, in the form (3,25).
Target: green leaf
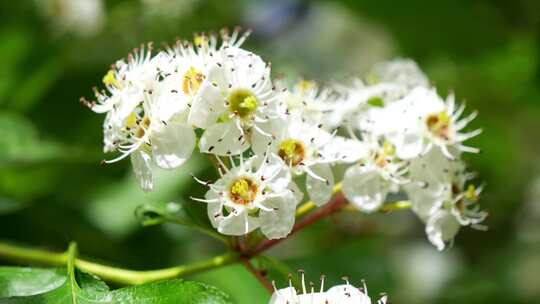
(178,213)
(111,208)
(20,281)
(19,142)
(156,213)
(58,286)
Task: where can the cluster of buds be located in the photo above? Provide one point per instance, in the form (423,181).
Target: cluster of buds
(391,129)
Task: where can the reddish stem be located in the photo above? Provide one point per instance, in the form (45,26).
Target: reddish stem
(331,207)
(258,274)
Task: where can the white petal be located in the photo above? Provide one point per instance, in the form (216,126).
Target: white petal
(223,139)
(209,102)
(173,145)
(214,210)
(279,173)
(347,294)
(238,224)
(284,296)
(140,162)
(441,228)
(298,194)
(320,191)
(408,145)
(365,188)
(278,223)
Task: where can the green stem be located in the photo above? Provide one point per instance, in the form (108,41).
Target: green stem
(113,274)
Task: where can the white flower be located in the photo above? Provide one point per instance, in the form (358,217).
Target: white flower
(235,98)
(245,199)
(153,130)
(378,172)
(422,120)
(440,197)
(441,228)
(430,176)
(404,72)
(460,208)
(340,294)
(126,83)
(309,101)
(301,147)
(82,17)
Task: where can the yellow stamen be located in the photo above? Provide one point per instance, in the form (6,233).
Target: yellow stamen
(110,79)
(291,151)
(243,191)
(243,103)
(192,81)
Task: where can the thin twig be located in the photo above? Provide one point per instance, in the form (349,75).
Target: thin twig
(262,279)
(335,204)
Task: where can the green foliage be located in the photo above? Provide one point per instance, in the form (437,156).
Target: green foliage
(58,286)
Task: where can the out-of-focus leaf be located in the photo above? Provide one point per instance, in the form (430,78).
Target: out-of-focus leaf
(238,282)
(177,213)
(19,281)
(8,205)
(36,84)
(55,286)
(16,43)
(112,209)
(20,143)
(156,213)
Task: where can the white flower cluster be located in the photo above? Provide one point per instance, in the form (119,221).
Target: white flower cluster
(393,130)
(340,294)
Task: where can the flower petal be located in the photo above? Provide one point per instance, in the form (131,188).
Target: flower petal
(209,102)
(223,139)
(441,228)
(140,162)
(238,224)
(347,294)
(279,222)
(320,191)
(173,145)
(364,188)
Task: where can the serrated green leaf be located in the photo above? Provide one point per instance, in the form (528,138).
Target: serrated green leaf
(55,286)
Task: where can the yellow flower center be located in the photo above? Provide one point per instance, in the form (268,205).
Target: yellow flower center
(200,40)
(242,103)
(142,127)
(291,151)
(192,81)
(304,85)
(110,80)
(243,191)
(382,156)
(438,124)
(470,193)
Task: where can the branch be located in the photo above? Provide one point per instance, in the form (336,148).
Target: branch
(262,279)
(113,274)
(335,204)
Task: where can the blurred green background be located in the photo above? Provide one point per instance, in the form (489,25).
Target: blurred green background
(53,189)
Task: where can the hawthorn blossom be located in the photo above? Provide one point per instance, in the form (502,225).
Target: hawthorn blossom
(300,147)
(378,172)
(443,198)
(235,98)
(339,294)
(246,198)
(421,121)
